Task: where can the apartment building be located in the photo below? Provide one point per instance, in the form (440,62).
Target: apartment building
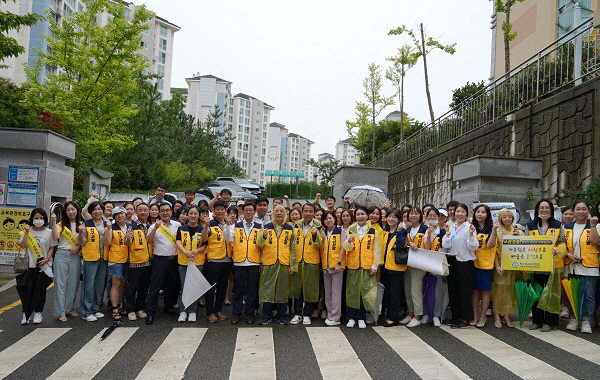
(322,158)
(277,152)
(346,153)
(298,152)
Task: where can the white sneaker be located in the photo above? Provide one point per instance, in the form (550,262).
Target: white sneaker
(192,317)
(564,313)
(98,315)
(90,318)
(436,322)
(329,322)
(585,327)
(141,314)
(351,323)
(488,313)
(37,318)
(296,320)
(370,319)
(572,325)
(306,320)
(131,316)
(182,317)
(362,324)
(24,321)
(413,323)
(425,319)
(406,319)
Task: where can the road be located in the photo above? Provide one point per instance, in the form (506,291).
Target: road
(201,350)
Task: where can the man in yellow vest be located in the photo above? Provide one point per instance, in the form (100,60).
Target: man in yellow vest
(247,244)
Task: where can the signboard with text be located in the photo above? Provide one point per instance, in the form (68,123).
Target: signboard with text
(12,221)
(23,174)
(527,253)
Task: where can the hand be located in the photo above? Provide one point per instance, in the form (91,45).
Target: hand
(472,230)
(42,262)
(129,235)
(206,220)
(496,225)
(109,227)
(388,204)
(318,195)
(555,252)
(265,233)
(373,272)
(431,230)
(314,231)
(53,217)
(218,195)
(286,197)
(347,199)
(81,228)
(338,268)
(412,245)
(499,270)
(572,258)
(26,228)
(158,223)
(516,230)
(351,239)
(446,226)
(594,221)
(291,271)
(191,255)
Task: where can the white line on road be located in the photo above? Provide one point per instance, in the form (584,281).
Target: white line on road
(90,359)
(26,348)
(336,357)
(516,361)
(254,356)
(421,357)
(174,354)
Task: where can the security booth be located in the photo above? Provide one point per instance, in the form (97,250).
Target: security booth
(97,181)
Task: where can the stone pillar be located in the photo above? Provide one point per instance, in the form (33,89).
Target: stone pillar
(497,179)
(348,176)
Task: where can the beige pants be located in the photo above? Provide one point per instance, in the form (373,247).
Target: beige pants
(413,289)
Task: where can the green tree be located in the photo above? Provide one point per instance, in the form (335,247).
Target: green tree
(424,46)
(9,47)
(95,75)
(13,113)
(373,105)
(401,63)
(509,35)
(463,93)
(325,170)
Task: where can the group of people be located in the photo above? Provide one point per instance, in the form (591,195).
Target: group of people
(299,261)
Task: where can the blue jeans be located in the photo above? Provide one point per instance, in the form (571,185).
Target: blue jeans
(193,308)
(92,287)
(358,314)
(589,298)
(67,268)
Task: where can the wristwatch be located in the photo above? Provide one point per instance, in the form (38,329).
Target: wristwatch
(339,263)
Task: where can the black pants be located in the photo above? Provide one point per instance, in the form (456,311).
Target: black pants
(245,281)
(138,282)
(394,289)
(216,273)
(460,286)
(358,314)
(541,317)
(164,269)
(308,309)
(267,310)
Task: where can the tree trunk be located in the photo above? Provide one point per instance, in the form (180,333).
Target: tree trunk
(402,106)
(374,127)
(426,75)
(507,42)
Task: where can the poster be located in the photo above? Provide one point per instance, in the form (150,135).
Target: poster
(2,193)
(496,207)
(527,253)
(430,261)
(12,221)
(21,194)
(23,174)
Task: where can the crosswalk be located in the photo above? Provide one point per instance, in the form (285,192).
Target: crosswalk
(253,354)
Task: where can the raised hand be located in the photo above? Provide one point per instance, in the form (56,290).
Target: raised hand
(318,195)
(351,239)
(496,226)
(158,223)
(81,228)
(26,228)
(594,221)
(286,197)
(472,230)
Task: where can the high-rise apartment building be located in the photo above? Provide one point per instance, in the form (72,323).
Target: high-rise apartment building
(250,135)
(323,158)
(277,152)
(346,153)
(298,152)
(156,44)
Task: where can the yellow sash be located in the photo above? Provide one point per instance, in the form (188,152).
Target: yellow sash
(167,232)
(33,245)
(68,234)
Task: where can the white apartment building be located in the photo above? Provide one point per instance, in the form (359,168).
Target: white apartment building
(323,158)
(346,153)
(298,152)
(277,152)
(156,44)
(250,135)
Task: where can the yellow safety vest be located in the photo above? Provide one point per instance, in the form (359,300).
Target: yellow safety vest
(244,248)
(485,255)
(589,251)
(217,246)
(190,244)
(306,248)
(118,252)
(390,256)
(331,253)
(278,248)
(362,253)
(91,250)
(140,251)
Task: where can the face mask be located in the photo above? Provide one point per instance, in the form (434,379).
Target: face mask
(544,217)
(38,222)
(432,223)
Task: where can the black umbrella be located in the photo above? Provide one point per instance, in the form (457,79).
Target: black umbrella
(31,287)
(110,329)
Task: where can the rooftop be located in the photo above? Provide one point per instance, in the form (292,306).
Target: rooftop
(300,137)
(209,76)
(167,22)
(277,125)
(347,141)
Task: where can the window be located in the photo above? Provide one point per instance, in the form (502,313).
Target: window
(163,31)
(162,44)
(264,151)
(239,154)
(246,155)
(160,83)
(162,57)
(258,113)
(241,119)
(248,113)
(245,146)
(240,136)
(265,118)
(144,44)
(245,138)
(262,167)
(230,109)
(247,121)
(247,129)
(264,135)
(160,70)
(239,145)
(240,128)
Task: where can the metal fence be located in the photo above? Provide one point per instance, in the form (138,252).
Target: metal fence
(569,61)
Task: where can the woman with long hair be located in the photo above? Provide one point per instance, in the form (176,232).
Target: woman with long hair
(484,264)
(394,272)
(433,241)
(333,259)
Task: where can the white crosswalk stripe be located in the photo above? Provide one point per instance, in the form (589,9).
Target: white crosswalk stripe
(254,356)
(88,361)
(174,355)
(421,357)
(19,353)
(516,361)
(336,357)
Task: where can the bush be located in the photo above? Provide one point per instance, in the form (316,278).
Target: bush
(306,190)
(591,193)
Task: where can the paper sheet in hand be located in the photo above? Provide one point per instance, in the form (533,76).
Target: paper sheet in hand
(195,285)
(430,261)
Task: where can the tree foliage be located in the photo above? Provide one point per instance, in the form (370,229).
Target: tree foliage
(325,170)
(13,113)
(504,6)
(401,63)
(463,93)
(9,47)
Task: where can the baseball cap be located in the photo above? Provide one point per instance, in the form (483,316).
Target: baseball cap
(241,203)
(118,209)
(443,212)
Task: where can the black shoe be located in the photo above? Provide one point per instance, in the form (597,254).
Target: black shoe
(460,325)
(171,311)
(283,321)
(249,319)
(386,324)
(235,320)
(265,321)
(150,319)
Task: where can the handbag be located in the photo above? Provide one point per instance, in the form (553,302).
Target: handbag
(21,264)
(401,256)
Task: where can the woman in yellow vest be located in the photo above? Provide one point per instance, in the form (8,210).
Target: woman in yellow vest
(305,282)
(333,260)
(140,266)
(503,291)
(582,254)
(395,272)
(484,264)
(544,223)
(363,255)
(278,264)
(433,241)
(118,238)
(190,249)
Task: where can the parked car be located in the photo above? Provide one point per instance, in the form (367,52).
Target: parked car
(211,191)
(234,187)
(181,195)
(262,188)
(244,183)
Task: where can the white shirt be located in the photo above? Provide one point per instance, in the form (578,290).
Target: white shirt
(162,245)
(264,220)
(461,244)
(44,240)
(63,243)
(307,227)
(579,268)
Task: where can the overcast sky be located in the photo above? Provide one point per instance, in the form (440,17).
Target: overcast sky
(308,58)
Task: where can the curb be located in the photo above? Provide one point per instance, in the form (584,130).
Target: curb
(8,285)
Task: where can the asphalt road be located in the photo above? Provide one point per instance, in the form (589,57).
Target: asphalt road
(486,353)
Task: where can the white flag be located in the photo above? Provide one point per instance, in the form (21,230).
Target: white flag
(195,285)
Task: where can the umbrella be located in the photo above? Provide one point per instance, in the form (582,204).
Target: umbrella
(378,301)
(575,290)
(527,294)
(109,330)
(429,283)
(367,196)
(31,287)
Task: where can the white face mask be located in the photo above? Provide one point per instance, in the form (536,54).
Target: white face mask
(432,222)
(544,217)
(38,222)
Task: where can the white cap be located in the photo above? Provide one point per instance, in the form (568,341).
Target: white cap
(241,203)
(443,212)
(118,209)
